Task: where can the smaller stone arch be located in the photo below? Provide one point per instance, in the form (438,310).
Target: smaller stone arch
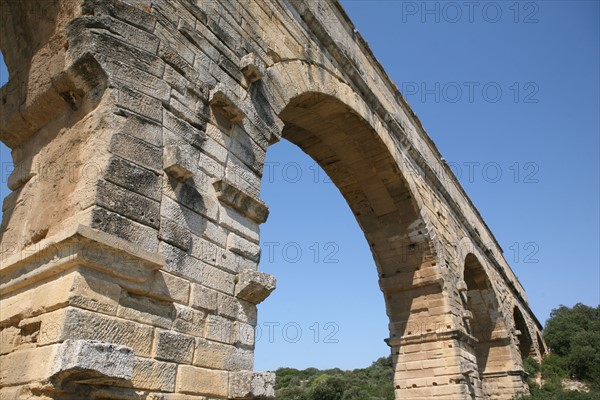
(540,344)
(490,344)
(524,338)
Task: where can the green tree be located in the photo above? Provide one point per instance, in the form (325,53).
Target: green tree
(573,334)
(330,388)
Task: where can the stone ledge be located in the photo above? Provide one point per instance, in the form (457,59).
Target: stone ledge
(241,201)
(251,385)
(78,245)
(223,98)
(254,286)
(252,67)
(91,361)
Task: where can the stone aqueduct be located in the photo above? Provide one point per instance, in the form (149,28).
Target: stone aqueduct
(139,130)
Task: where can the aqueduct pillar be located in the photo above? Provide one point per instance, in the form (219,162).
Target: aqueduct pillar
(129,253)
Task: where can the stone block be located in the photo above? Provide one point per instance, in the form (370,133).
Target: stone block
(250,385)
(136,150)
(222,98)
(203,298)
(145,310)
(153,375)
(202,381)
(16,367)
(189,321)
(133,177)
(90,360)
(243,247)
(244,204)
(174,346)
(169,287)
(73,323)
(175,234)
(176,162)
(252,67)
(227,305)
(219,329)
(216,355)
(254,286)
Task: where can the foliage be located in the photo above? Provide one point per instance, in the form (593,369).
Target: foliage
(573,335)
(371,383)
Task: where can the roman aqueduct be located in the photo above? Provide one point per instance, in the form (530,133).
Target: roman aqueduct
(139,130)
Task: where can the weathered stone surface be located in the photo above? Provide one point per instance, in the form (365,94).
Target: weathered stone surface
(16,367)
(243,247)
(245,204)
(223,98)
(147,124)
(188,320)
(254,286)
(176,163)
(252,67)
(216,355)
(90,360)
(72,323)
(202,381)
(173,346)
(203,298)
(153,375)
(250,385)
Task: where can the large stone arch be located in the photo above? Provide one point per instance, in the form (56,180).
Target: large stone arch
(140,278)
(523,333)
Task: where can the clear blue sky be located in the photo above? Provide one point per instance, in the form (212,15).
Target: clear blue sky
(504,87)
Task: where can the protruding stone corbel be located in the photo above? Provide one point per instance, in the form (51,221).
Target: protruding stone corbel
(91,361)
(229,194)
(251,385)
(252,67)
(222,98)
(254,286)
(466,314)
(175,163)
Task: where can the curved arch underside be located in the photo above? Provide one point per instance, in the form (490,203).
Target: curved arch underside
(363,170)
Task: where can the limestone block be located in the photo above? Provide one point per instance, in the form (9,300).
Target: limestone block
(252,67)
(187,320)
(250,385)
(215,355)
(175,234)
(145,310)
(246,204)
(169,287)
(222,98)
(175,163)
(254,286)
(244,334)
(226,305)
(73,323)
(174,346)
(16,367)
(85,360)
(153,375)
(204,381)
(219,329)
(203,298)
(243,247)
